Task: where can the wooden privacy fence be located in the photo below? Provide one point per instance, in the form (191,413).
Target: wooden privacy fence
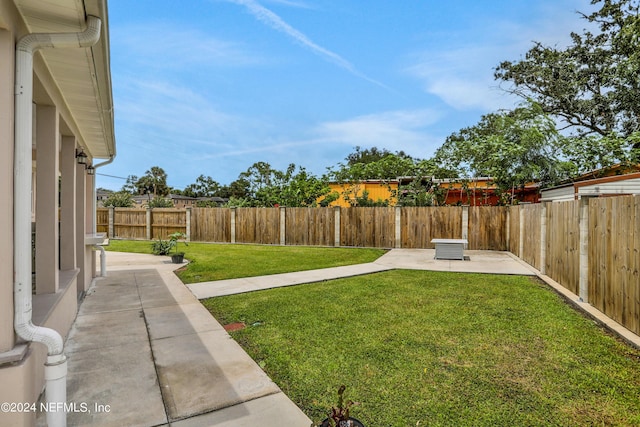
(589,246)
(379,227)
(132,223)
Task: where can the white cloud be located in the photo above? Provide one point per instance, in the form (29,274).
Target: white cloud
(394,130)
(159,45)
(291,3)
(462,78)
(274,21)
(169,107)
(462,74)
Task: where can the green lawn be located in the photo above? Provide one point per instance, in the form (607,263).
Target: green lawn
(438,349)
(217,262)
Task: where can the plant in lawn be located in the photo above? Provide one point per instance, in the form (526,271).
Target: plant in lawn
(161,247)
(177,257)
(339,415)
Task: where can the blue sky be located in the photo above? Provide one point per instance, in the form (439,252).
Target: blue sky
(212,86)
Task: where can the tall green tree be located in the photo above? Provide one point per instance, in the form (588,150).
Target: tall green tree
(513,147)
(238,189)
(370,155)
(592,84)
(294,187)
(131,185)
(259,176)
(153,182)
(373,163)
(298,189)
(205,186)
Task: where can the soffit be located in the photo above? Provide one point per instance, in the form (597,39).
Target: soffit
(82,76)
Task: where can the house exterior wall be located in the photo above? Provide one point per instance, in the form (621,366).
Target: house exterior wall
(377,191)
(611,185)
(628,186)
(6,186)
(558,194)
(55,307)
(475,192)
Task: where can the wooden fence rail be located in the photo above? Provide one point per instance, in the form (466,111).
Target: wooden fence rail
(591,246)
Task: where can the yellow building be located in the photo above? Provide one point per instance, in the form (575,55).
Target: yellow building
(376,190)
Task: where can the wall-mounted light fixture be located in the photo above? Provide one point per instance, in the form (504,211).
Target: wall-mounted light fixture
(91,170)
(81,158)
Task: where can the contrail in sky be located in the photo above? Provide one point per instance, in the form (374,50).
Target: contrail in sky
(274,21)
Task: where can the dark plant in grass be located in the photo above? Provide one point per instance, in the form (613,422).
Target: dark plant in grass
(339,415)
(161,247)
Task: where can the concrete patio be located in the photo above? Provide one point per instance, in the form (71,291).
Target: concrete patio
(144,352)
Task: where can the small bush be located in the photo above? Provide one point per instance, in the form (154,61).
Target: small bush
(162,247)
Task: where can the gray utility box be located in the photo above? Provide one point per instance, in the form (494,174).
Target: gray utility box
(450,248)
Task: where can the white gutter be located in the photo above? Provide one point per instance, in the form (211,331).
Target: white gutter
(55,370)
(103,254)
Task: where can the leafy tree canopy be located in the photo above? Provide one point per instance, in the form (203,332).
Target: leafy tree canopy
(121,199)
(374,163)
(370,155)
(593,84)
(153,182)
(160,202)
(513,147)
(294,187)
(205,186)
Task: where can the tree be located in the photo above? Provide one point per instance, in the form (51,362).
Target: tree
(385,166)
(593,84)
(121,199)
(512,147)
(238,189)
(154,182)
(258,176)
(204,186)
(593,153)
(300,189)
(370,155)
(160,202)
(373,164)
(131,186)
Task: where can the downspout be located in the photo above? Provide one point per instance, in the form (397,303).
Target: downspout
(55,370)
(94,229)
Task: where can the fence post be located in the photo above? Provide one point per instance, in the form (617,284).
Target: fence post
(521,231)
(188,233)
(148,223)
(543,238)
(336,226)
(398,227)
(233,225)
(111,228)
(583,223)
(508,229)
(283,226)
(465,222)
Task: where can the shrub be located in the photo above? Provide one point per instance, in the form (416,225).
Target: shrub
(162,247)
(121,199)
(160,202)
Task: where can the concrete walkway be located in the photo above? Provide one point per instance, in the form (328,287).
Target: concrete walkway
(144,352)
(411,259)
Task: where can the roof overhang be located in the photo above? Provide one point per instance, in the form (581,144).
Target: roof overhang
(82,76)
